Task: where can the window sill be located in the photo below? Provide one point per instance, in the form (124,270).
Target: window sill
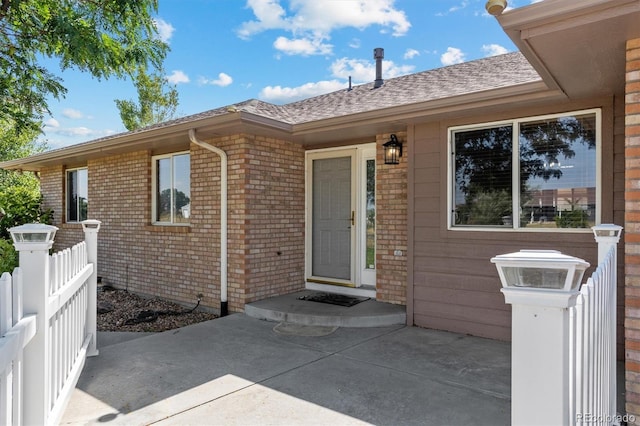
(177,229)
(525,230)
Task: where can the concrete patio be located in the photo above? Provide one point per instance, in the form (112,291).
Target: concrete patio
(241,370)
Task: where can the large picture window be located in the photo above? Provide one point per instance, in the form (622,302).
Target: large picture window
(77,195)
(172,189)
(534,173)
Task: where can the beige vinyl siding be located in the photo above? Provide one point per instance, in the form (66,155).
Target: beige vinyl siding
(455,286)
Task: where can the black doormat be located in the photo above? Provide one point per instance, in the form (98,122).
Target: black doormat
(334,299)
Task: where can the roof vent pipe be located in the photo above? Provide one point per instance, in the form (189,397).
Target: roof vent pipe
(378,55)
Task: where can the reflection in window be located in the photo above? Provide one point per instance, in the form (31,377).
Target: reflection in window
(77,195)
(172,189)
(371,215)
(483,176)
(558,172)
(555,159)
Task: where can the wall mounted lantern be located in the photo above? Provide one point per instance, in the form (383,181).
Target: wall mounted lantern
(392,151)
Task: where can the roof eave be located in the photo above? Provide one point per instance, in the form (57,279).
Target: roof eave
(543,32)
(240,121)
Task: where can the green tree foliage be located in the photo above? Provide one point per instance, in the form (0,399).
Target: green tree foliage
(8,256)
(18,205)
(157,102)
(20,200)
(115,38)
(17,145)
(21,205)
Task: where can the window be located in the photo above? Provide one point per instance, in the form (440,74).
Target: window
(172,189)
(534,173)
(77,195)
(370,260)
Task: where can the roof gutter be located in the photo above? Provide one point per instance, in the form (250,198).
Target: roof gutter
(223,218)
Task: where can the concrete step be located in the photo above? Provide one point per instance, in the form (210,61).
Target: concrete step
(290,308)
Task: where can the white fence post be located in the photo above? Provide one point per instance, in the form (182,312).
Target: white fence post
(33,242)
(608,236)
(541,286)
(91,228)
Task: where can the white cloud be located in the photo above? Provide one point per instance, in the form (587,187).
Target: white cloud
(314,20)
(223,80)
(364,71)
(494,49)
(52,122)
(81,131)
(165,29)
(452,56)
(355,43)
(453,9)
(177,77)
(411,53)
(269,14)
(71,113)
(302,46)
(360,70)
(279,94)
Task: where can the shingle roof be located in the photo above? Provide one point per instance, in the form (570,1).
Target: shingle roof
(469,77)
(475,76)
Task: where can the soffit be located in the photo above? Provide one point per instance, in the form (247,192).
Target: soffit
(576,46)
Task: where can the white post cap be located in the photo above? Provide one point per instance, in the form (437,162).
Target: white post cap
(33,233)
(91,224)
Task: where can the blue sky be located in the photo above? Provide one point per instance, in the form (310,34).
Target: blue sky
(279,51)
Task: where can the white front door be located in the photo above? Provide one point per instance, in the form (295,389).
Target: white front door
(341,217)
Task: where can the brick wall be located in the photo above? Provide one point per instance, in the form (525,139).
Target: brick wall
(265,223)
(274,234)
(178,263)
(391,224)
(632,228)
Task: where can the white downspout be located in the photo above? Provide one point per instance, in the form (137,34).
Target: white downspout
(223,218)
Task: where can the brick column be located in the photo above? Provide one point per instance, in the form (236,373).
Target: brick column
(632,229)
(391,224)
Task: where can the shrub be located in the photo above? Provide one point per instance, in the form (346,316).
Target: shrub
(8,256)
(21,205)
(573,219)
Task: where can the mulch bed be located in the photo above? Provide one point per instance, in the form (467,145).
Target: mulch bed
(121,310)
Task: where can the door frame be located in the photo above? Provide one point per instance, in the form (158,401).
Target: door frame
(359,154)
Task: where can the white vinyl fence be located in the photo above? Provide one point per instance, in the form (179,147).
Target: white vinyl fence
(563,363)
(47,324)
(16,331)
(593,349)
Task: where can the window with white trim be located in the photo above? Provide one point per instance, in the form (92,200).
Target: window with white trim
(533,173)
(77,195)
(171,188)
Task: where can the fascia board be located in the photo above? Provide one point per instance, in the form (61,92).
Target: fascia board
(552,15)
